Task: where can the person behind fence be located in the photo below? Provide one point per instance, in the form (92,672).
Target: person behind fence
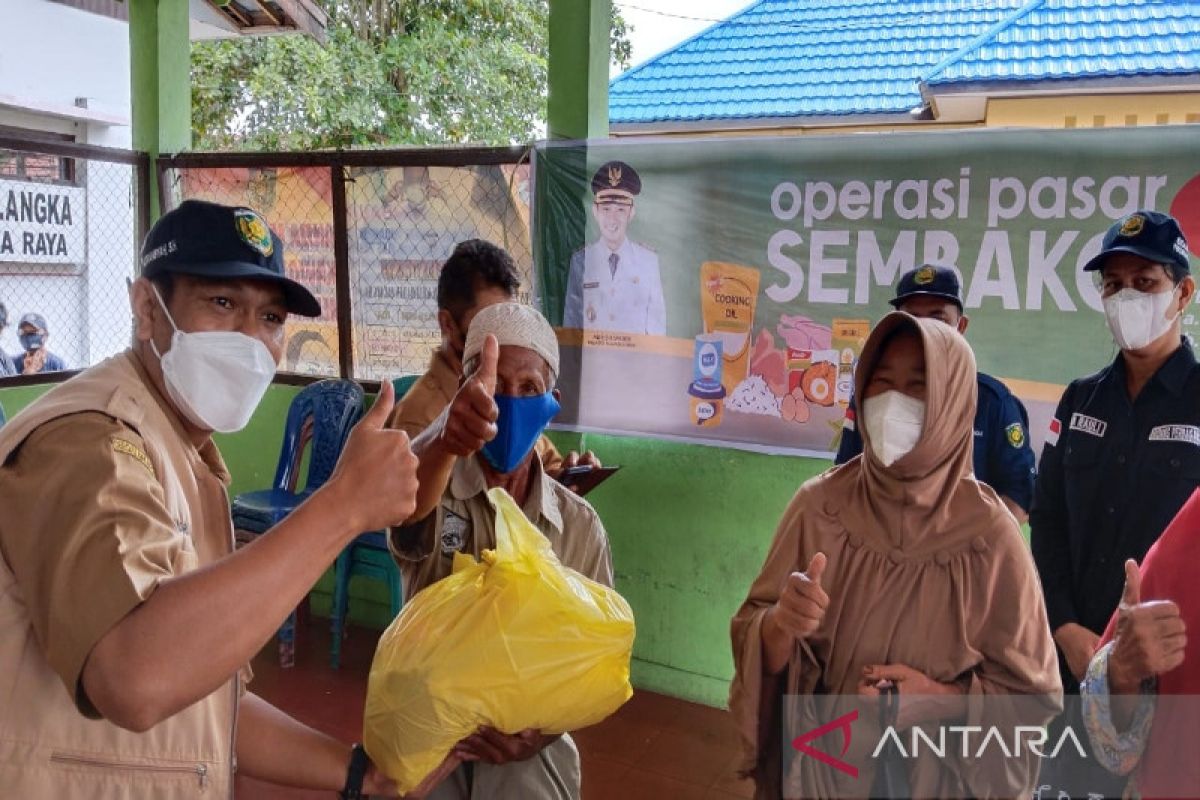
(614,283)
(33,333)
(485,439)
(477,274)
(7,365)
(127,620)
(895,571)
(1141,690)
(1122,453)
(1003,457)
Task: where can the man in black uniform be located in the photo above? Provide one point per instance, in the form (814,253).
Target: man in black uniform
(1123,451)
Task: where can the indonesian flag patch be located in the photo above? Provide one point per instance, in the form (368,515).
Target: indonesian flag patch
(1052,434)
(848,422)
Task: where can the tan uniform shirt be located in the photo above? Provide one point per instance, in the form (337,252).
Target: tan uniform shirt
(465,522)
(430,395)
(103,497)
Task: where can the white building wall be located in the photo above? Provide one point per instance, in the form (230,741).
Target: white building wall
(53,58)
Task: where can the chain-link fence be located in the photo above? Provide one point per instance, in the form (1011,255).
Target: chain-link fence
(71,218)
(368,232)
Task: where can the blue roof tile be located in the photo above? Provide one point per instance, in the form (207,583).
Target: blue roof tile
(797,58)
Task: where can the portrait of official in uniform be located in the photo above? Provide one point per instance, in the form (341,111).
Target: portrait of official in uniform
(614,283)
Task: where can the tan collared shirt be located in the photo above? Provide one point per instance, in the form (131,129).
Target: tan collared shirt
(430,395)
(104,498)
(465,522)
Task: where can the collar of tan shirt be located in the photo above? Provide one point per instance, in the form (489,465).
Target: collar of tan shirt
(207,454)
(468,481)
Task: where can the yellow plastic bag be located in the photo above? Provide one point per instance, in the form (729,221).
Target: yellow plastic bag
(514,641)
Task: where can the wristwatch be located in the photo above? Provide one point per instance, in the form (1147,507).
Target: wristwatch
(355,772)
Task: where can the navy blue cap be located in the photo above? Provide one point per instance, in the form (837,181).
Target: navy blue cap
(210,240)
(1149,234)
(35,319)
(929,280)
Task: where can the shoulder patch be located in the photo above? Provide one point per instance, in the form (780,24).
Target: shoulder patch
(1015,434)
(126,447)
(1053,432)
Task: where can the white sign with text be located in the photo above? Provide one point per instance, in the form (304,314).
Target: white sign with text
(42,223)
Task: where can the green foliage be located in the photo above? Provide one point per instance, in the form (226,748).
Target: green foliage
(392,72)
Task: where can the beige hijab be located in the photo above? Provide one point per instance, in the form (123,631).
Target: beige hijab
(926,568)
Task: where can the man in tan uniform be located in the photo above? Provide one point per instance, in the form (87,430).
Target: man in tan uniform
(126,619)
(477,274)
(484,440)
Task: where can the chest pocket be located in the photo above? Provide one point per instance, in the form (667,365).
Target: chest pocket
(1174,460)
(1083,452)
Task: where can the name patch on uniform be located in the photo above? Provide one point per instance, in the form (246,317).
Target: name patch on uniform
(130,449)
(592,285)
(1089,425)
(1176,433)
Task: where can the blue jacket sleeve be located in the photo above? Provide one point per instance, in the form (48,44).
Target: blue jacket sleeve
(1011,461)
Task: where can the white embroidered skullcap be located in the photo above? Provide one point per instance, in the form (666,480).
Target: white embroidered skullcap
(513,324)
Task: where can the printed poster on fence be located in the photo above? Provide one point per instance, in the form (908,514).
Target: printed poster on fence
(403,224)
(720,290)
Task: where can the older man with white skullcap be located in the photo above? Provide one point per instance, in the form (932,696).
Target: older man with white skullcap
(485,439)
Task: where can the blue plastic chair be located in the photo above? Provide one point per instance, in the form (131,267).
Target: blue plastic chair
(321,415)
(324,412)
(367,556)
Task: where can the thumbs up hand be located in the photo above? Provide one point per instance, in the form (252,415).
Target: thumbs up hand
(469,422)
(1150,637)
(377,469)
(802,603)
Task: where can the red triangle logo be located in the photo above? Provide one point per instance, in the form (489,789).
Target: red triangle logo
(842,723)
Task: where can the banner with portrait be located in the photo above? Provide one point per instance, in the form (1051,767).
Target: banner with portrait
(720,290)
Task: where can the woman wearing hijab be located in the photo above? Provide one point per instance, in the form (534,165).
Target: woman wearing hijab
(1147,654)
(895,571)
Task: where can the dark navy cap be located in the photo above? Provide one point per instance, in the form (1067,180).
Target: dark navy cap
(616,182)
(209,240)
(34,319)
(929,280)
(1149,234)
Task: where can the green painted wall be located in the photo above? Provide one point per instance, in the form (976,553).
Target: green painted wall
(15,399)
(689,527)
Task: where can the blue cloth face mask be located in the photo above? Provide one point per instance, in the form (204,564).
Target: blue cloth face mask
(521,422)
(32,341)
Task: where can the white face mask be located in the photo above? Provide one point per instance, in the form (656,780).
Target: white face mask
(215,378)
(893,422)
(1138,318)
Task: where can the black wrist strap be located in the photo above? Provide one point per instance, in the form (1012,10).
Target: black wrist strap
(355,772)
